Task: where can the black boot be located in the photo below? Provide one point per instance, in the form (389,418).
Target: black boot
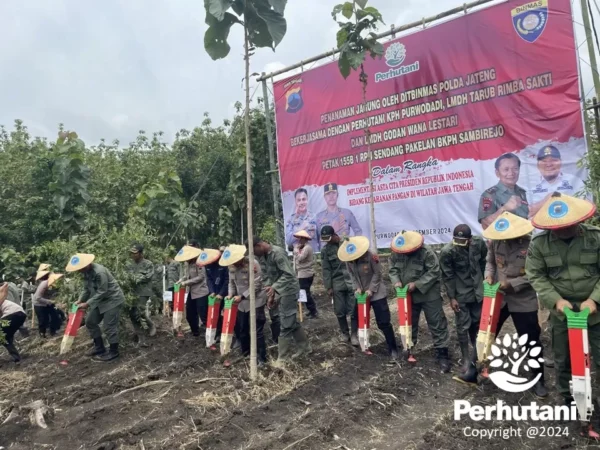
(443,359)
(99,348)
(354,332)
(345,332)
(275,329)
(466,357)
(469,377)
(390,340)
(113,353)
(13,352)
(539,390)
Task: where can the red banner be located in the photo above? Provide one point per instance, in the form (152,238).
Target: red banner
(443,105)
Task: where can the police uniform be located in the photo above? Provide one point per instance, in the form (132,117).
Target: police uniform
(307,222)
(337,278)
(366,275)
(239,284)
(422,268)
(142,273)
(283,281)
(462,270)
(497,196)
(342,220)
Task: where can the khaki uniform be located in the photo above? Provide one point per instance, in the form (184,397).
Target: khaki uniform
(239,284)
(105,298)
(142,273)
(282,279)
(496,196)
(558,270)
(462,274)
(366,275)
(337,278)
(196,307)
(422,268)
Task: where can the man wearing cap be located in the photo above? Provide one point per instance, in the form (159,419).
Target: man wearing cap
(506,195)
(551,179)
(341,219)
(462,263)
(301,219)
(415,265)
(283,289)
(142,274)
(338,285)
(239,289)
(303,263)
(102,298)
(366,275)
(12,318)
(217,279)
(563,267)
(196,307)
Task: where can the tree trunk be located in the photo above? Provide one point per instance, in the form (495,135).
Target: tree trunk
(253,365)
(363,80)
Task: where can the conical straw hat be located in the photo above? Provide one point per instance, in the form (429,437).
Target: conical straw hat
(187,253)
(508,226)
(302,234)
(232,254)
(562,211)
(353,248)
(79,261)
(208,256)
(407,242)
(43,267)
(53,278)
(41,274)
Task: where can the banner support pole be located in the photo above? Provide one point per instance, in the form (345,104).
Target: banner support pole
(590,46)
(274,171)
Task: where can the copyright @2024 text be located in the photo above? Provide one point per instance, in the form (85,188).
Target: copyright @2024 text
(511,432)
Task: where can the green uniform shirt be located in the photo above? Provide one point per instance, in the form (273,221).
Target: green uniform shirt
(173,274)
(101,290)
(420,267)
(280,273)
(462,270)
(495,197)
(143,274)
(570,271)
(335,272)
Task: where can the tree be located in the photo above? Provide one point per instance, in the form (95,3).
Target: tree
(264,26)
(355,39)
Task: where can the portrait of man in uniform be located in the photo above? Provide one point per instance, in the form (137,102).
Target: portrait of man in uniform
(552,179)
(506,195)
(301,219)
(341,219)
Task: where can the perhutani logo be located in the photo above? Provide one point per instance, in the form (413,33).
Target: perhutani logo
(511,353)
(394,57)
(502,411)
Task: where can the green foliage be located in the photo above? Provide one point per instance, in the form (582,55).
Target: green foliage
(263,19)
(356,38)
(14,265)
(268,231)
(225,226)
(70,179)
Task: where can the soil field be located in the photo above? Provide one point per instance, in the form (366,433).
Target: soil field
(177,395)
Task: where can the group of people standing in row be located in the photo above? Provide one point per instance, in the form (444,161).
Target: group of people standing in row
(558,266)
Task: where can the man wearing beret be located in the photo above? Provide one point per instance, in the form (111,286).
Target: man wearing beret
(341,219)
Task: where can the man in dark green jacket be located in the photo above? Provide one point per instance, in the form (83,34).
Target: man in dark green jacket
(102,298)
(142,273)
(462,263)
(283,289)
(415,265)
(563,267)
(338,285)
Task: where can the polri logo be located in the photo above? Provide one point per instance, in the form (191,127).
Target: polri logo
(395,55)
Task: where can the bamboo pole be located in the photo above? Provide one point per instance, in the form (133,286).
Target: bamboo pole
(590,46)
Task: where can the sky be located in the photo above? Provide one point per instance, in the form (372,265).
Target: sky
(109,69)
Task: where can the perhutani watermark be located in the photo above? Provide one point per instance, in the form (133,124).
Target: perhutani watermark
(502,411)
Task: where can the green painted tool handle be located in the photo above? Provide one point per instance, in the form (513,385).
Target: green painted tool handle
(74,308)
(402,292)
(577,319)
(176,287)
(490,290)
(361,298)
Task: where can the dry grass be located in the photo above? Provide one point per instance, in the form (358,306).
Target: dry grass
(14,382)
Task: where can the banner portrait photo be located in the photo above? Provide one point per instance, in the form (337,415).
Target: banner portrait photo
(468,116)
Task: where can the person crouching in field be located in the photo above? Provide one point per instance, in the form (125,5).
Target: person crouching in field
(102,299)
(43,304)
(415,265)
(12,317)
(239,289)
